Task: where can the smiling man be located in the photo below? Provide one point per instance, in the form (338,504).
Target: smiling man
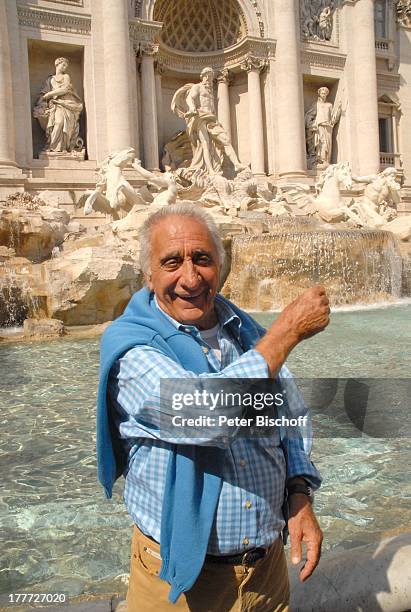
(208,512)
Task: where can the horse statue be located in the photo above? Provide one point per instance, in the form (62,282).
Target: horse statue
(328,203)
(116,197)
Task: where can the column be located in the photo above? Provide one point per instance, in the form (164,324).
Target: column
(253,66)
(117,74)
(7,143)
(159,70)
(365,83)
(223,100)
(289,91)
(149,106)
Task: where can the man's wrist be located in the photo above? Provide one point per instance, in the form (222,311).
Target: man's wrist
(301,488)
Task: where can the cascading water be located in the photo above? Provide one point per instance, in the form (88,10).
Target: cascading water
(17,301)
(356,266)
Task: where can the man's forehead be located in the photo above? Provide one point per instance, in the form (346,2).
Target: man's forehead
(177,233)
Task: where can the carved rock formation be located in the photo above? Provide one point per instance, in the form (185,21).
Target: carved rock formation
(32,233)
(91,285)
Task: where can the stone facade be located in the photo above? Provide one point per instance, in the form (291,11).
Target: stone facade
(127,58)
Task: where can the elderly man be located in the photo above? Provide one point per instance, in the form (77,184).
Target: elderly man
(208,512)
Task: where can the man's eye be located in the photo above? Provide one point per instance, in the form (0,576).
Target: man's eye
(203,259)
(171,264)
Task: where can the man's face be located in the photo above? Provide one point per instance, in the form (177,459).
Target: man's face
(208,77)
(184,270)
(323,93)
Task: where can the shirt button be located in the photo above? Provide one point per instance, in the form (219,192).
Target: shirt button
(248,504)
(205,350)
(242,462)
(246,541)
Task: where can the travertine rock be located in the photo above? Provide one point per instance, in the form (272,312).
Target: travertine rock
(32,234)
(91,285)
(43,328)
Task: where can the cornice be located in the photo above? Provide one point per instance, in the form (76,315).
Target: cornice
(388,81)
(41,19)
(321,59)
(144,32)
(79,3)
(231,58)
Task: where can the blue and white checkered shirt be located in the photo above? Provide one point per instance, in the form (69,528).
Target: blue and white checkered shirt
(249,511)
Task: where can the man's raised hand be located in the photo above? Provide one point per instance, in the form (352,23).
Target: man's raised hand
(307,315)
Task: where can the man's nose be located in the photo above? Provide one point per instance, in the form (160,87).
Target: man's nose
(189,275)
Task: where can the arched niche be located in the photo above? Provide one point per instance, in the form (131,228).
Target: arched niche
(251,11)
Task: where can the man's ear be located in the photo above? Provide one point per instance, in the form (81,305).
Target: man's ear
(147,278)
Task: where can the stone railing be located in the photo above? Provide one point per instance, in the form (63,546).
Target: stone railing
(384,48)
(390,159)
(381,44)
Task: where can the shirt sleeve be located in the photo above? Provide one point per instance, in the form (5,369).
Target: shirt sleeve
(142,406)
(297,440)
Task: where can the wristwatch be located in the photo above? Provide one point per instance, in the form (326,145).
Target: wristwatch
(305,489)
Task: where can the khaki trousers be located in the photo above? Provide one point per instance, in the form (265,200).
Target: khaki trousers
(262,587)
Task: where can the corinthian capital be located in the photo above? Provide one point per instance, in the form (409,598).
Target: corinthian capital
(223,76)
(254,63)
(149,48)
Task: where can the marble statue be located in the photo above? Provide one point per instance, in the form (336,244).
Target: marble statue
(58,109)
(317,19)
(243,194)
(320,120)
(381,195)
(115,196)
(377,209)
(328,203)
(166,184)
(404,11)
(209,140)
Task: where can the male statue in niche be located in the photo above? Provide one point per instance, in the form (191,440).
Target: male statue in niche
(320,120)
(58,109)
(209,140)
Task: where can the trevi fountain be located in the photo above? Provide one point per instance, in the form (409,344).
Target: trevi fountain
(296,142)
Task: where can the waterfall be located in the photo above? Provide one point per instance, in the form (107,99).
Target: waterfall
(356,266)
(17,301)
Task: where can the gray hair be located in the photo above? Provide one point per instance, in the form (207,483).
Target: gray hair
(181,209)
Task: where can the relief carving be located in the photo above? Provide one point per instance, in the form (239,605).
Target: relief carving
(317,19)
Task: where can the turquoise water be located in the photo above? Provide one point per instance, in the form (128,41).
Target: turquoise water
(59,534)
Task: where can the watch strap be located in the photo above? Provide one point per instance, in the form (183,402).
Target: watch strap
(304,489)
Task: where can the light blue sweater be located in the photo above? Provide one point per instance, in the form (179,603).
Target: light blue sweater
(193,480)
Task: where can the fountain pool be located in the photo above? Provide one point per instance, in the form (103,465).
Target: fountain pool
(59,534)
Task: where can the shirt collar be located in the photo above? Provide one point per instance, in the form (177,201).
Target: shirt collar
(225,315)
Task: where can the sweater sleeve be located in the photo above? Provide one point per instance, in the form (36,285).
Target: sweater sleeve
(143,406)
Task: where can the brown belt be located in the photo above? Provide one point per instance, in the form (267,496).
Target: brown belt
(247,558)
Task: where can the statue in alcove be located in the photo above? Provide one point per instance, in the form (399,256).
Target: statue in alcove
(58,109)
(317,19)
(320,120)
(210,142)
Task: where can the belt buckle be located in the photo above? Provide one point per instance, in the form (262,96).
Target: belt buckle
(244,560)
